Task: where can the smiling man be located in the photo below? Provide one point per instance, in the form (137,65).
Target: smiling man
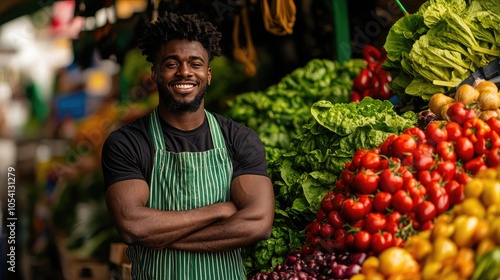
(186,188)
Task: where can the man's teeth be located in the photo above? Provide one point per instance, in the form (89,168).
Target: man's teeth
(183,86)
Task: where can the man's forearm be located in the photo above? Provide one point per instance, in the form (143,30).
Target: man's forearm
(232,233)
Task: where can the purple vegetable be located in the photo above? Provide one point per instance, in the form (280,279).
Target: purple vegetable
(339,271)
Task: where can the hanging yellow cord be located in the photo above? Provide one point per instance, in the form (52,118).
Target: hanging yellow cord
(279,18)
(245,56)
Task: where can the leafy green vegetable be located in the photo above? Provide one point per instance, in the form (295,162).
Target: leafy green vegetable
(441,45)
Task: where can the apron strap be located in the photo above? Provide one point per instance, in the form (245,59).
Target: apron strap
(157,134)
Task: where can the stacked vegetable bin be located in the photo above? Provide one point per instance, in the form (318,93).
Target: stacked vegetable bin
(383,167)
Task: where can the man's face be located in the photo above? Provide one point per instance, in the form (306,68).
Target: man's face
(182,75)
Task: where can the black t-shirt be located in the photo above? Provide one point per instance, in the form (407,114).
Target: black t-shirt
(128,152)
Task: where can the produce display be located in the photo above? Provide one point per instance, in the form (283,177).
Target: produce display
(440,45)
(463,244)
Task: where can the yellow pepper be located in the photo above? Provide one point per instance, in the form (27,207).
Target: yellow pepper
(431,269)
(464,262)
(483,231)
(491,192)
(370,264)
(443,249)
(473,207)
(473,188)
(442,229)
(418,247)
(467,226)
(395,259)
(492,212)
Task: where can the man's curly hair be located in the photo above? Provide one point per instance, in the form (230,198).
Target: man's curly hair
(171,26)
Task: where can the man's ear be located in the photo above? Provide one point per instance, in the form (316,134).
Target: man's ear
(209,75)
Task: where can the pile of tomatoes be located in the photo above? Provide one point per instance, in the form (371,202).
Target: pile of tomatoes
(373,80)
(387,194)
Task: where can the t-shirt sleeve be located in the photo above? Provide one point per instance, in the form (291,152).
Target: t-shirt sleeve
(249,151)
(124,157)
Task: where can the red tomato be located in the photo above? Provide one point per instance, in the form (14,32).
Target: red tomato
(422,160)
(353,210)
(494,123)
(446,151)
(454,131)
(386,146)
(375,222)
(494,139)
(390,181)
(447,169)
(426,225)
(336,219)
(402,201)
(366,181)
(327,230)
(462,177)
(382,201)
(338,201)
(367,201)
(425,211)
(435,133)
(362,240)
(456,191)
(426,176)
(321,215)
(341,186)
(417,133)
(339,240)
(381,241)
(481,146)
(347,176)
(458,112)
(402,145)
(371,160)
(393,220)
(427,148)
(349,240)
(315,227)
(356,159)
(326,203)
(464,148)
(493,157)
(474,165)
(439,197)
(416,191)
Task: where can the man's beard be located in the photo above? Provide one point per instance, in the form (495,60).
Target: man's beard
(177,106)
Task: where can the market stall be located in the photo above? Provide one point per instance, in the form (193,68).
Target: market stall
(384,154)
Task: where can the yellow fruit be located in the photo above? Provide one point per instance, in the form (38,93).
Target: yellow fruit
(395,260)
(473,207)
(473,188)
(491,192)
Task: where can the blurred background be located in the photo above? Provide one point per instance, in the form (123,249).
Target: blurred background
(70,73)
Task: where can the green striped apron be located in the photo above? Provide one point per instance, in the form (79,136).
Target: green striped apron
(183,181)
